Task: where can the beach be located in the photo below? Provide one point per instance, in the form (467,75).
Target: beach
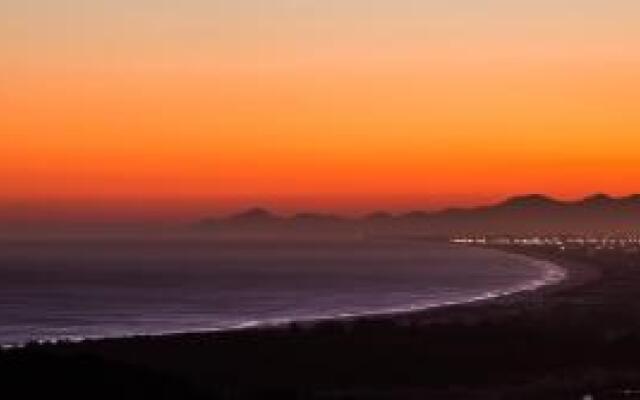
(90,288)
(577,337)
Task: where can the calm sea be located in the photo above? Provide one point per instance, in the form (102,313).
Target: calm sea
(78,288)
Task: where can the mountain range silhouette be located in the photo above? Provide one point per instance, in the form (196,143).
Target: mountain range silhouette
(527,214)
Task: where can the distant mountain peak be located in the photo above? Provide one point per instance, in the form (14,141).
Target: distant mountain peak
(598,197)
(256,213)
(529,200)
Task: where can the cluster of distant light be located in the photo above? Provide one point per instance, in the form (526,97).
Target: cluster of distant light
(630,243)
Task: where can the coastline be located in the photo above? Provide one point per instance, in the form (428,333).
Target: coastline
(575,275)
(560,341)
(531,294)
(553,275)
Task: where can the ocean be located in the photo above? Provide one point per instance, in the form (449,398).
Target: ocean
(77,288)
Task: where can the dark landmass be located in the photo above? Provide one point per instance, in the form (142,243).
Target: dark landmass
(530,214)
(560,342)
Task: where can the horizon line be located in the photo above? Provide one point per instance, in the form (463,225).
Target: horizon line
(135,216)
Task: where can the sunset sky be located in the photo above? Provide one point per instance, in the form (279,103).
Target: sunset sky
(172,109)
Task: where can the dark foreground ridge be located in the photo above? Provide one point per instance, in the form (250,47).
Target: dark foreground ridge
(579,338)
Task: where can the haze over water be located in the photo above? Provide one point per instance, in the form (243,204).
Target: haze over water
(74,288)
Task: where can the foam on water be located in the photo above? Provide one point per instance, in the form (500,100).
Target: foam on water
(73,291)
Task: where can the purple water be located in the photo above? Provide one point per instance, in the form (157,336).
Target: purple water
(73,289)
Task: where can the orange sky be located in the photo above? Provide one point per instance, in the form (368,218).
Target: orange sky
(158,113)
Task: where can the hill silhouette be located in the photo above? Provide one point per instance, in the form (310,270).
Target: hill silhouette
(526,214)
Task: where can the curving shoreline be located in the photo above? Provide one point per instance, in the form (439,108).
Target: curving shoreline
(552,275)
(578,336)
